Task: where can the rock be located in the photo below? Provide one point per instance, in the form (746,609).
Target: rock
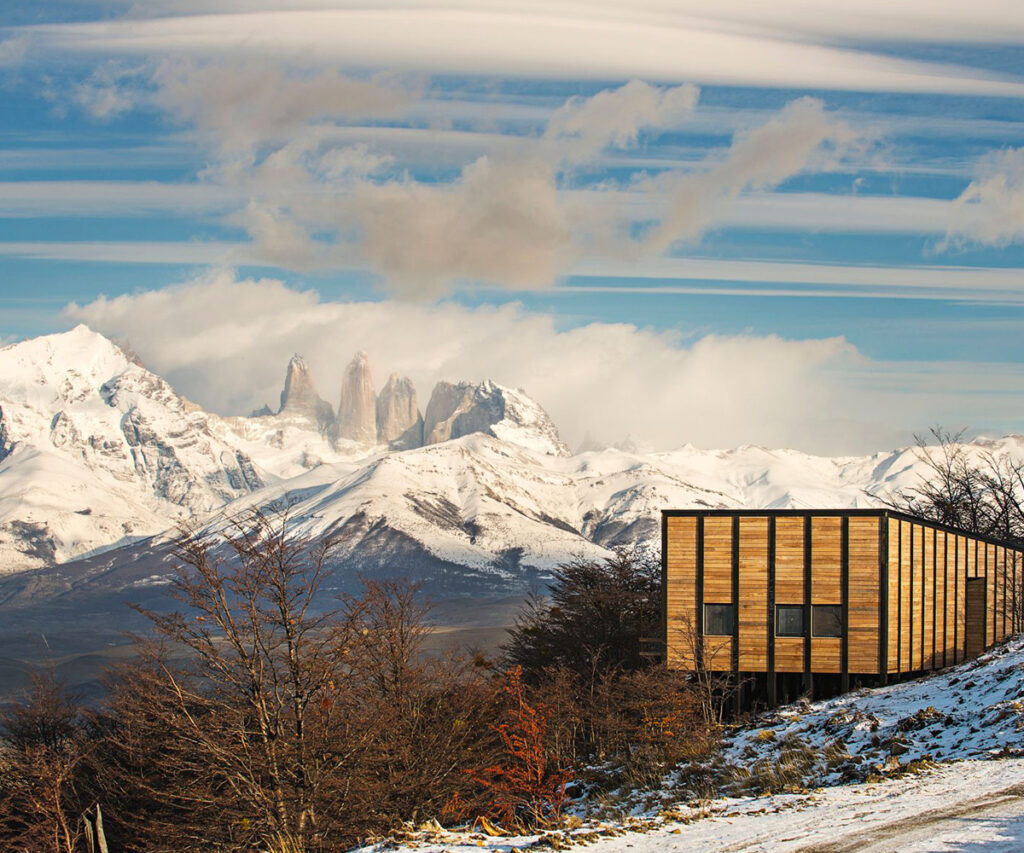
(458,410)
(6,444)
(399,423)
(357,407)
(299,396)
(455,410)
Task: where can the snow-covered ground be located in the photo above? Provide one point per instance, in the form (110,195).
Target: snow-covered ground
(974,710)
(937,762)
(971,805)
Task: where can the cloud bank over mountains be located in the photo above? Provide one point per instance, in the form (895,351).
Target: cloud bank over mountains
(222,341)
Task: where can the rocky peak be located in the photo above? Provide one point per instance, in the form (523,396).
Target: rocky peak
(300,397)
(6,444)
(459,409)
(357,406)
(399,422)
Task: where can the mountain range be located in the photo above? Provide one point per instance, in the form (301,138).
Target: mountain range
(100,460)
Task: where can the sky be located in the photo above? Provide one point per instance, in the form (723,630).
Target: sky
(713,222)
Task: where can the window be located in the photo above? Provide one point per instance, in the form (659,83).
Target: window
(789,620)
(719,619)
(827,620)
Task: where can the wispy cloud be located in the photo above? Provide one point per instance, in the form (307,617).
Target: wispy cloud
(985,21)
(13,51)
(990,211)
(793,47)
(761,159)
(615,117)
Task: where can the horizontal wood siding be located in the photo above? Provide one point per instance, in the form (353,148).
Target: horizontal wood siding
(826,577)
(826,560)
(976,607)
(949,595)
(864,595)
(753,597)
(717,560)
(789,587)
(681,590)
(718,585)
(894,594)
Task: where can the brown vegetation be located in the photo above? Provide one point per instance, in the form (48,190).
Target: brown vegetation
(256,718)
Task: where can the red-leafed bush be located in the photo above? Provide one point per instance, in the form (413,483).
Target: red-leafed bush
(527,787)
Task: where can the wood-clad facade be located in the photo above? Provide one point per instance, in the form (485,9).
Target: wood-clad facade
(828,598)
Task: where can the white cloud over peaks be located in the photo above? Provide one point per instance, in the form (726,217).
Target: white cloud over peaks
(225,343)
(991,210)
(616,116)
(759,159)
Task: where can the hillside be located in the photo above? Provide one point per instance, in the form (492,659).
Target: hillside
(927,765)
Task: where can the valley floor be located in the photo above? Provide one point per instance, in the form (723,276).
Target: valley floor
(975,805)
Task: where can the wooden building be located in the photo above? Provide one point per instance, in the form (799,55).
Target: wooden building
(797,601)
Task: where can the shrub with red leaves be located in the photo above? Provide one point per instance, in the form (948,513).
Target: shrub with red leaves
(528,787)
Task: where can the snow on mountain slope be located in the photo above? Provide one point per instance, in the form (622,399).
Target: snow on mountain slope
(99,450)
(499,508)
(96,451)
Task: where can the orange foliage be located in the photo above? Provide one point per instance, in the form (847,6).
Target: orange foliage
(529,785)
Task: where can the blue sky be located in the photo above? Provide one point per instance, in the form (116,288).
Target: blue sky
(717,222)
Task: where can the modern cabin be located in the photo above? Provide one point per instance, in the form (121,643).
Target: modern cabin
(817,601)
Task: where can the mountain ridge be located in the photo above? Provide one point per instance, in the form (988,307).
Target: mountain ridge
(102,453)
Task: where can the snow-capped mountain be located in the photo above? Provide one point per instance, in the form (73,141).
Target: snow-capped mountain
(97,452)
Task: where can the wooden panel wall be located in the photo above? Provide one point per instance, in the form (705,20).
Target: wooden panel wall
(681,590)
(976,607)
(926,602)
(1002,600)
(826,576)
(928,573)
(789,587)
(864,595)
(928,598)
(895,588)
(718,584)
(753,597)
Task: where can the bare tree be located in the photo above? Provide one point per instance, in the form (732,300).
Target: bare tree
(981,492)
(43,747)
(237,709)
(713,683)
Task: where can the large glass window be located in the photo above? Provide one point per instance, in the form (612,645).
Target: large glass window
(789,620)
(827,620)
(719,619)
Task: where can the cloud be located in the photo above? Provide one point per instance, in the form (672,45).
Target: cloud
(226,342)
(500,222)
(757,160)
(310,197)
(615,117)
(610,41)
(927,20)
(245,102)
(13,51)
(111,90)
(991,210)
